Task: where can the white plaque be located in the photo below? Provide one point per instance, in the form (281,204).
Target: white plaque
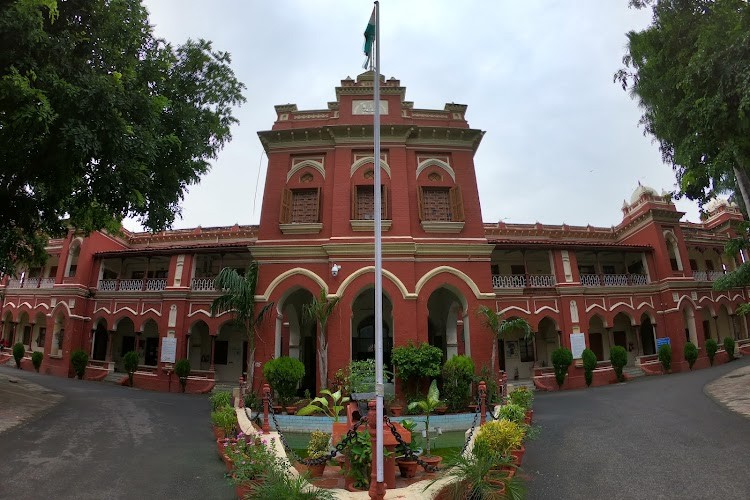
(168,349)
(368,107)
(577,344)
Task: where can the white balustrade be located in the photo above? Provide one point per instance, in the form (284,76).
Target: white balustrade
(700,275)
(590,280)
(133,285)
(31,283)
(508,281)
(714,275)
(615,280)
(156,284)
(207,284)
(542,280)
(14,283)
(47,282)
(638,279)
(107,285)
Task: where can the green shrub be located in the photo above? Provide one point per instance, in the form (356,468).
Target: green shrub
(589,365)
(284,375)
(562,358)
(513,412)
(182,370)
(458,372)
(522,397)
(362,376)
(318,445)
(711,347)
(415,362)
(36,359)
(618,356)
(729,347)
(79,359)
(220,399)
(665,356)
(18,351)
(131,360)
(496,439)
(494,396)
(225,418)
(691,354)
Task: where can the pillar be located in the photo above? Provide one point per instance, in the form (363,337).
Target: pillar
(213,340)
(377,489)
(111,341)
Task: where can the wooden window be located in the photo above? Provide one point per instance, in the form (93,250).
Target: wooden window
(363,203)
(41,337)
(440,204)
(526,347)
(300,206)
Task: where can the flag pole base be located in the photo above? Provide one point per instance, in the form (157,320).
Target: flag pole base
(377,489)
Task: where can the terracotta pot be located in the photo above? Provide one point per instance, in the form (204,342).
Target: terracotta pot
(291,410)
(245,490)
(473,408)
(408,468)
(440,410)
(529,416)
(316,470)
(396,410)
(518,455)
(227,462)
(433,460)
(497,484)
(219,432)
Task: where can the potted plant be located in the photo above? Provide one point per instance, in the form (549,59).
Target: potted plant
(523,397)
(316,448)
(691,354)
(729,347)
(458,372)
(18,351)
(498,439)
(711,347)
(130,360)
(182,370)
(253,459)
(284,375)
(665,357)
(321,404)
(589,365)
(407,461)
(427,406)
(36,360)
(396,407)
(225,422)
(79,359)
(562,358)
(413,363)
(278,485)
(473,477)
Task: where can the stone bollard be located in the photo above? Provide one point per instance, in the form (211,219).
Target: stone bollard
(377,490)
(266,403)
(482,402)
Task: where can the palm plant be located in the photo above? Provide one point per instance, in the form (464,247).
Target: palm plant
(277,485)
(468,479)
(427,406)
(239,297)
(501,328)
(319,310)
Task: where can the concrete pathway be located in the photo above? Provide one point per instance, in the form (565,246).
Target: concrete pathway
(733,391)
(22,401)
(103,441)
(655,437)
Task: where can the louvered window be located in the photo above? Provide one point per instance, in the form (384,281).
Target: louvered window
(363,203)
(441,204)
(300,206)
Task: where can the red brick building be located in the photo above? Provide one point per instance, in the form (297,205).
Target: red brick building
(647,277)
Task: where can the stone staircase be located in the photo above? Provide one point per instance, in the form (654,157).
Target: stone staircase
(633,372)
(225,386)
(114,377)
(528,383)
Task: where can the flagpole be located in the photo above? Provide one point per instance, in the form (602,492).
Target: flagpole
(378,260)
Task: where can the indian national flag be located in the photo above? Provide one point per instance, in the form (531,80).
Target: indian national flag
(369,39)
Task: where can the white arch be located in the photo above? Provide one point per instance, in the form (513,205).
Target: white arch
(671,241)
(459,274)
(368,159)
(286,274)
(438,163)
(306,163)
(371,269)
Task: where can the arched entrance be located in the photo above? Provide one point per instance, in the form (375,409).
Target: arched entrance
(623,335)
(150,343)
(297,335)
(688,316)
(39,333)
(648,344)
(101,340)
(444,308)
(123,341)
(363,327)
(598,338)
(23,330)
(199,346)
(230,352)
(58,335)
(547,340)
(724,324)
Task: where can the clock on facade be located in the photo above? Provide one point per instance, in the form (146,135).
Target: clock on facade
(368,107)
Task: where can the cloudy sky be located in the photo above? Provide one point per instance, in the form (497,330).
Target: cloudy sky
(562,144)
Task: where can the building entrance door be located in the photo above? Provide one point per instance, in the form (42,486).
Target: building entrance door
(595,339)
(152,351)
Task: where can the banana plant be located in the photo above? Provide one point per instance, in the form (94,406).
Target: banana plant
(427,406)
(321,404)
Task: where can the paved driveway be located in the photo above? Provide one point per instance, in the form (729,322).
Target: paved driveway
(652,438)
(108,442)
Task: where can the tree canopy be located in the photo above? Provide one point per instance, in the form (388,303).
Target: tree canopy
(101,120)
(690,72)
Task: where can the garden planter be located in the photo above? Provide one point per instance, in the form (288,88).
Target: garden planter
(529,417)
(408,468)
(316,470)
(433,461)
(227,462)
(518,455)
(219,432)
(245,490)
(440,410)
(396,410)
(473,408)
(497,484)
(277,409)
(291,410)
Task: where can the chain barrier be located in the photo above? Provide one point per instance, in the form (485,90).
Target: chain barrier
(473,426)
(408,452)
(350,435)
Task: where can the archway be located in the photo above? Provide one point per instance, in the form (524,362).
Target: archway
(444,311)
(39,333)
(7,328)
(688,317)
(623,335)
(58,335)
(547,340)
(101,341)
(724,324)
(23,330)
(598,338)
(199,346)
(150,343)
(709,326)
(363,327)
(230,352)
(297,336)
(517,354)
(123,341)
(648,344)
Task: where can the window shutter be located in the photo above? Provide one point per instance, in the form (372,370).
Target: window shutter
(420,207)
(318,204)
(354,202)
(384,202)
(457,204)
(285,217)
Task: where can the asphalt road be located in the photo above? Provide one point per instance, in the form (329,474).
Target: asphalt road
(108,442)
(652,438)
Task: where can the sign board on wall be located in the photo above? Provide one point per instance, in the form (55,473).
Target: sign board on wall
(662,341)
(168,349)
(577,344)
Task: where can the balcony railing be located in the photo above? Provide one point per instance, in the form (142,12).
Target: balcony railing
(202,284)
(707,275)
(133,285)
(613,279)
(523,280)
(32,283)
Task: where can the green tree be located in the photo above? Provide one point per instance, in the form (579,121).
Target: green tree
(238,297)
(690,72)
(101,120)
(319,310)
(501,328)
